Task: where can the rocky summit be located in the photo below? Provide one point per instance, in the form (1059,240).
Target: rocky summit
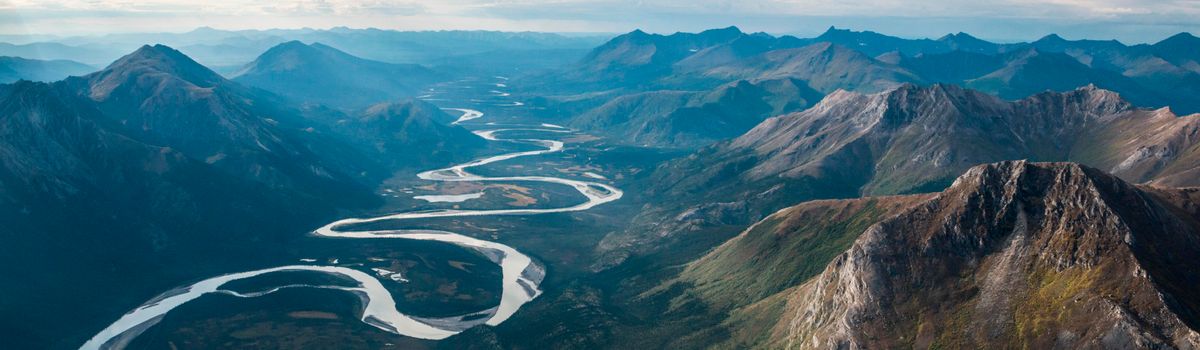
(1014,254)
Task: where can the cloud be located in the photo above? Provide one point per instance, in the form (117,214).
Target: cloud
(1018,16)
(598,9)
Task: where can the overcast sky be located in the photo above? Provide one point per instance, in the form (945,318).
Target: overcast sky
(1127,20)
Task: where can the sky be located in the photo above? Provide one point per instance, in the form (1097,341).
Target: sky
(1005,20)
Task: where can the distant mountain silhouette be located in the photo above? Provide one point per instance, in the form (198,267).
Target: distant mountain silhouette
(16,68)
(682,119)
(1181,49)
(321,74)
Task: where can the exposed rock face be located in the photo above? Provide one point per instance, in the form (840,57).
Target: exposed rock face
(916,139)
(1158,147)
(912,135)
(1040,255)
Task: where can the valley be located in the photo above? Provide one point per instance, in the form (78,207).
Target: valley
(520,277)
(368,188)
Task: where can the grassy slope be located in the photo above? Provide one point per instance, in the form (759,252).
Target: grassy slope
(705,304)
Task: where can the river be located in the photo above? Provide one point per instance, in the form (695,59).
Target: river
(521,277)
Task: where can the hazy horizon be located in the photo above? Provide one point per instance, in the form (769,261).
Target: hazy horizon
(1131,22)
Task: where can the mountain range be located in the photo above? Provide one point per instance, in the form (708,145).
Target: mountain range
(638,58)
(228,50)
(16,68)
(126,176)
(907,140)
(859,215)
(160,96)
(852,190)
(633,67)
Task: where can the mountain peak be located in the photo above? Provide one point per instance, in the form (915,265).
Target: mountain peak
(287,48)
(153,51)
(1090,98)
(1018,174)
(960,36)
(726,30)
(295,45)
(1018,229)
(1051,38)
(1183,36)
(160,61)
(1016,185)
(1181,41)
(718,35)
(317,73)
(1180,49)
(636,36)
(293,54)
(1103,95)
(901,99)
(204,30)
(160,57)
(933,91)
(291,44)
(834,30)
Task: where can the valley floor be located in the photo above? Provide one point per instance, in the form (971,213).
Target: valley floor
(549,199)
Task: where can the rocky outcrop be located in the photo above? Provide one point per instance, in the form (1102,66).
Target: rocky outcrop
(916,139)
(1040,255)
